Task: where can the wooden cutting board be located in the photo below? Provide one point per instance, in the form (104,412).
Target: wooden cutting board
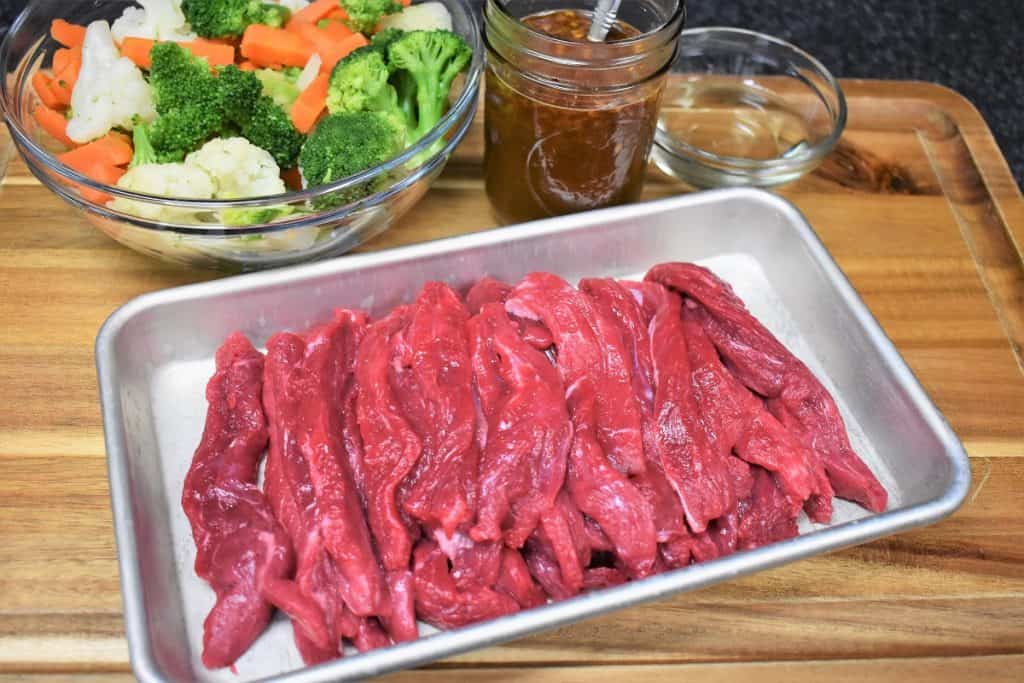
(917,206)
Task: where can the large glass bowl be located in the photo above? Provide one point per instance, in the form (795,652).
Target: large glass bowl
(362,206)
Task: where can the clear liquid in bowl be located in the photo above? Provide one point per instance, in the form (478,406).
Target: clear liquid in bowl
(734,118)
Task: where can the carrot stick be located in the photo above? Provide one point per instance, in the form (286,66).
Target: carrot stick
(64,79)
(338,13)
(337,30)
(217,54)
(263,45)
(43,85)
(61,57)
(310,104)
(67,34)
(54,123)
(317,10)
(110,150)
(341,49)
(247,66)
(309,33)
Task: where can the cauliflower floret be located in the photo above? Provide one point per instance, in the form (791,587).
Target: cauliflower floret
(293,5)
(167,180)
(156,19)
(426,16)
(110,90)
(239,168)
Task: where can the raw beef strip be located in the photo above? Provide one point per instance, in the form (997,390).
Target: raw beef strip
(696,471)
(390,446)
(439,601)
(736,420)
(490,291)
(597,488)
(761,362)
(615,300)
(515,580)
(314,374)
(315,599)
(401,624)
(523,463)
(603,577)
(239,545)
(765,516)
(559,549)
(435,377)
(590,352)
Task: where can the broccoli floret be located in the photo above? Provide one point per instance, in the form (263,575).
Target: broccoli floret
(180,131)
(360,83)
(229,18)
(364,15)
(143,149)
(239,92)
(432,59)
(271,128)
(280,86)
(178,78)
(344,144)
(382,39)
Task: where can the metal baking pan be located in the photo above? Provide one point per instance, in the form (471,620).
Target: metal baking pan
(154,356)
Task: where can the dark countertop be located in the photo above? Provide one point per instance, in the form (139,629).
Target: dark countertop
(971,46)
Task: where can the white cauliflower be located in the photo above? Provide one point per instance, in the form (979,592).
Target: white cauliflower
(110,91)
(239,168)
(293,5)
(156,19)
(167,180)
(425,16)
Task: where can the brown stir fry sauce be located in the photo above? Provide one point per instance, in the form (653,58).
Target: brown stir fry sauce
(568,152)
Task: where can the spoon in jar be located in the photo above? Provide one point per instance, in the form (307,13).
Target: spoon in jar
(604,19)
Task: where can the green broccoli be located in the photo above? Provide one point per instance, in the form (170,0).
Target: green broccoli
(270,127)
(143,148)
(280,86)
(382,39)
(239,92)
(230,18)
(178,79)
(342,145)
(364,15)
(359,82)
(433,59)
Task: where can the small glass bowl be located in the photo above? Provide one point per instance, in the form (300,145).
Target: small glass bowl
(742,108)
(200,233)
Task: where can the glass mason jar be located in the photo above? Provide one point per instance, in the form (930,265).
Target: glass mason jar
(569,123)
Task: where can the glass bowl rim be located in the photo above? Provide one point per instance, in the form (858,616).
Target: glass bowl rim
(690,153)
(27,146)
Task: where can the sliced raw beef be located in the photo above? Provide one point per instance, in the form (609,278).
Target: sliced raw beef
(527,429)
(491,291)
(515,580)
(239,544)
(795,396)
(440,603)
(765,517)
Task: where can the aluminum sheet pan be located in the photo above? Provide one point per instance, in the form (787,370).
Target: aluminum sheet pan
(155,354)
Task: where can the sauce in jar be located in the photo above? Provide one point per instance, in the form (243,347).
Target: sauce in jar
(554,147)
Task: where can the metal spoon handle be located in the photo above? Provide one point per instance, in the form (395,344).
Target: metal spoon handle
(604,19)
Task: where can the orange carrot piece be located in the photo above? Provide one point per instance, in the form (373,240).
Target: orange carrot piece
(54,123)
(43,85)
(64,79)
(310,34)
(317,10)
(137,50)
(112,149)
(337,13)
(337,30)
(247,66)
(215,52)
(405,3)
(341,49)
(67,34)
(61,57)
(263,45)
(310,104)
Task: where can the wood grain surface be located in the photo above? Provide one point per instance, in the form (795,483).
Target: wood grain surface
(917,206)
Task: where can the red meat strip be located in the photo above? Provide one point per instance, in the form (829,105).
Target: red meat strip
(696,471)
(598,489)
(603,577)
(239,545)
(515,580)
(591,353)
(390,446)
(794,394)
(490,291)
(435,378)
(764,517)
(439,601)
(302,382)
(616,302)
(528,432)
(401,624)
(736,420)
